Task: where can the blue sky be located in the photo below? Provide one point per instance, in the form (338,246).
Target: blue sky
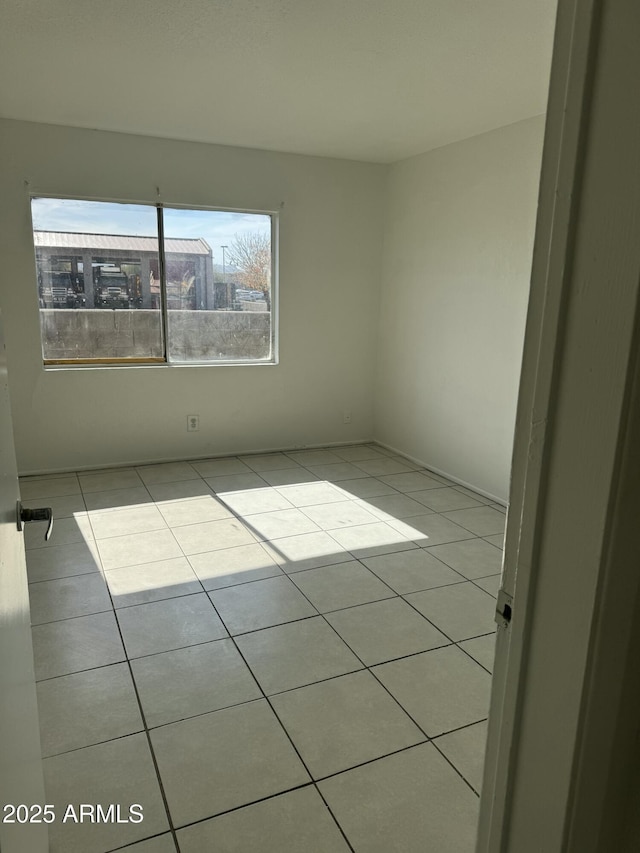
(215,226)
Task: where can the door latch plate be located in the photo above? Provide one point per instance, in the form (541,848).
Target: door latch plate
(504,609)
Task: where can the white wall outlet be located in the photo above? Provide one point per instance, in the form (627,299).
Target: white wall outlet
(193,423)
(346,418)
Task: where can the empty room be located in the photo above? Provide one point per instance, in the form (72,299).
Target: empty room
(266,270)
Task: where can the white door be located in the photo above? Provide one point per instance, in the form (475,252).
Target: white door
(21,780)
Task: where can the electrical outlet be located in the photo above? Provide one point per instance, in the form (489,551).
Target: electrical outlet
(193,423)
(346,417)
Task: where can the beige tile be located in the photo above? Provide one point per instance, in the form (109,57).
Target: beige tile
(279,524)
(470,493)
(269,462)
(415,466)
(211,535)
(235,482)
(260,604)
(296,654)
(384,451)
(191,681)
(356,453)
(217,762)
(383,467)
(444,500)
(219,467)
(497,540)
(61,561)
(256,500)
(344,585)
(393,506)
(193,511)
(385,630)
(311,494)
(123,522)
(482,649)
(490,584)
(102,481)
(86,708)
(138,548)
(105,470)
(411,802)
(411,481)
(171,624)
(335,472)
(72,645)
(183,489)
(159,844)
(483,521)
(295,822)
(473,558)
(231,566)
(340,514)
(366,540)
(65,598)
(441,689)
(465,749)
(152,582)
(167,472)
(342,722)
(365,487)
(40,488)
(431,529)
(307,551)
(313,457)
(411,571)
(117,499)
(440,478)
(288,476)
(65,531)
(118,772)
(460,611)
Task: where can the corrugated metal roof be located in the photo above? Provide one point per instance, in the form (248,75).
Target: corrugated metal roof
(117,242)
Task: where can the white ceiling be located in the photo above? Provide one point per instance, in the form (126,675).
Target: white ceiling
(376,80)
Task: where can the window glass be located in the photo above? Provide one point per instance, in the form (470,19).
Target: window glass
(108,292)
(94,263)
(218,270)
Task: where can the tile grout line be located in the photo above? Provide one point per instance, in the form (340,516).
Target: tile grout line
(232,637)
(140,708)
(130,846)
(142,716)
(147,734)
(456,643)
(459,772)
(241,520)
(283,727)
(368,669)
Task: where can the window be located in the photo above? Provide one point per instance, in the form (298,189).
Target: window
(131,283)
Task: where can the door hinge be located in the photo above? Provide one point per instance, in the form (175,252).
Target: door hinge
(504,609)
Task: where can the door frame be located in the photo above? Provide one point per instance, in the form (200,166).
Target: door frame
(564,673)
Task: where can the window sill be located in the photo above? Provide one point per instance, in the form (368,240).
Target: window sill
(56,367)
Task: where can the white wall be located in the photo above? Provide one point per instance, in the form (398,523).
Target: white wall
(458,244)
(455,276)
(331,233)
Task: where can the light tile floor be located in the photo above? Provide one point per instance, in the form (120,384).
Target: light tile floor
(279,653)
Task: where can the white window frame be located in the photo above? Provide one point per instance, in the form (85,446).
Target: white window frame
(165,361)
